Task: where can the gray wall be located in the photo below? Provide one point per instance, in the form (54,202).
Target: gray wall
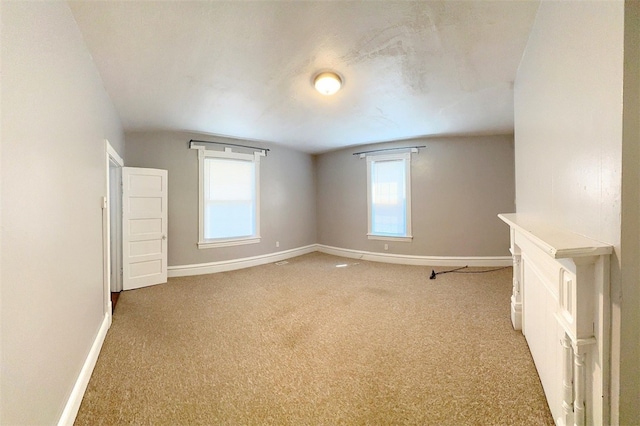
(568,151)
(55,116)
(287,199)
(459,185)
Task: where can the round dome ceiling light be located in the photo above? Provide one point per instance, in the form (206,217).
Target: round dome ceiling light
(327,83)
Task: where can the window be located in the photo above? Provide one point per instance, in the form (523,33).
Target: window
(389,196)
(229,198)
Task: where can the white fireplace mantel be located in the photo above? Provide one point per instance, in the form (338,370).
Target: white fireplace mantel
(557,243)
(560,301)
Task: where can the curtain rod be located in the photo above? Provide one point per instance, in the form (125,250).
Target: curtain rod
(389,149)
(265,150)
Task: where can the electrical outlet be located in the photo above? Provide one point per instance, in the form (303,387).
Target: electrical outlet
(386,246)
(277,243)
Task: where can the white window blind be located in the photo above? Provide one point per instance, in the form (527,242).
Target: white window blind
(229,198)
(230,207)
(389,196)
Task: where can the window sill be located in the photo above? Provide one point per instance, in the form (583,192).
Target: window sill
(228,243)
(408,238)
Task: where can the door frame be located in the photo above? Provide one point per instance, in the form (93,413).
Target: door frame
(111,157)
(115,223)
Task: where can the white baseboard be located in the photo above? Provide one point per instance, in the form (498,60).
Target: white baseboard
(75,399)
(417,260)
(247,262)
(230,265)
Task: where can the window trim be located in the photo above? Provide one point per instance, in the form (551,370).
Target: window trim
(406,157)
(228,154)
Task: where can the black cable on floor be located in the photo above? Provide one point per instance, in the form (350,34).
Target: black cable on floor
(434,274)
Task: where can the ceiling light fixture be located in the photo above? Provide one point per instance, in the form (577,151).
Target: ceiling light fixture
(327,83)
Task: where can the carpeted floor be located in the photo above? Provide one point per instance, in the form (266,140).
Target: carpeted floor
(311,343)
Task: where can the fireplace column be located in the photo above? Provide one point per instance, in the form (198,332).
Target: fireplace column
(516,296)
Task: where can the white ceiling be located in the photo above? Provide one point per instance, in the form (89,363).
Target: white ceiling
(245,69)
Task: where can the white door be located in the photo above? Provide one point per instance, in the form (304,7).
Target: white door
(144,230)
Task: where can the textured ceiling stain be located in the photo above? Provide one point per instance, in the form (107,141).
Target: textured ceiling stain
(426,48)
(245,69)
(381,118)
(383,42)
(416,44)
(407,44)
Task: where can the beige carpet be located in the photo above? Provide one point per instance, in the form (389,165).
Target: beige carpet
(309,343)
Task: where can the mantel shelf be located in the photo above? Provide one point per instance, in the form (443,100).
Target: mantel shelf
(557,243)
